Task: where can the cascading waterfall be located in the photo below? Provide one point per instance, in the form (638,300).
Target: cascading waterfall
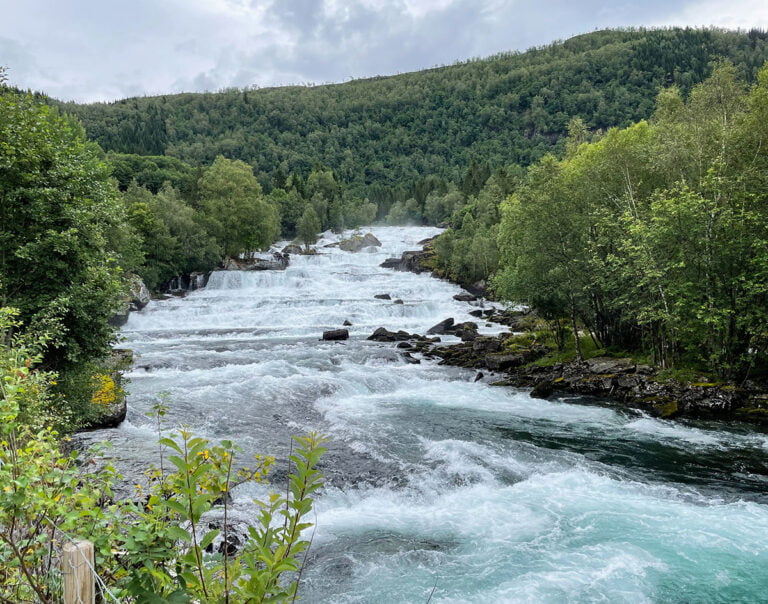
(437,482)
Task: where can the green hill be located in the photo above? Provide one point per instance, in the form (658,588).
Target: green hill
(387,132)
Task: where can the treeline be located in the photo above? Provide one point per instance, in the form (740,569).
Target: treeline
(197,216)
(651,238)
(381,135)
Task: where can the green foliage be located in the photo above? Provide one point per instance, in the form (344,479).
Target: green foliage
(156,550)
(653,237)
(171,235)
(308,227)
(382,135)
(240,218)
(58,262)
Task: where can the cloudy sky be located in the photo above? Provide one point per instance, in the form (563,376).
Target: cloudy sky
(96,50)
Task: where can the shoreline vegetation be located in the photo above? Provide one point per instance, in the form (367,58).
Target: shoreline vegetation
(529,357)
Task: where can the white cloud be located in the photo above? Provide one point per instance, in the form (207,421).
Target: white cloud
(99,50)
(734,14)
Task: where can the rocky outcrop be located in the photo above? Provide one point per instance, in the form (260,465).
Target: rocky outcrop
(466,297)
(357,243)
(109,410)
(384,335)
(443,327)
(614,381)
(278,262)
(414,261)
(293,248)
(138,298)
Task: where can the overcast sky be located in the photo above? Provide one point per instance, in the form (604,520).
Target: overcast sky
(97,50)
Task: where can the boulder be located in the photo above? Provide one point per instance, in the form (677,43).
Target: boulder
(293,248)
(543,389)
(410,359)
(382,296)
(138,297)
(357,243)
(442,328)
(465,297)
(278,262)
(336,334)
(139,294)
(398,301)
(384,335)
(486,344)
(466,335)
(500,362)
(347,323)
(607,365)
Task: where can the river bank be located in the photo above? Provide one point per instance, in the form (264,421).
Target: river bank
(613,380)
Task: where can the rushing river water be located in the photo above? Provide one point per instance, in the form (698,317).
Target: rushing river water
(437,482)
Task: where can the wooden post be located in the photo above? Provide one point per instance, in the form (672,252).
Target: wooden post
(76,565)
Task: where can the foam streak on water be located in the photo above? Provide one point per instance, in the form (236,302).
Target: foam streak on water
(435,481)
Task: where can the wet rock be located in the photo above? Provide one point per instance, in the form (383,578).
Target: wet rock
(465,297)
(138,298)
(398,301)
(357,243)
(480,375)
(486,344)
(347,323)
(410,261)
(404,345)
(382,296)
(442,328)
(466,335)
(278,262)
(384,335)
(477,313)
(293,248)
(336,334)
(410,359)
(542,389)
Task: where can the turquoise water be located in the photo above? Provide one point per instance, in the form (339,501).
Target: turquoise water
(440,486)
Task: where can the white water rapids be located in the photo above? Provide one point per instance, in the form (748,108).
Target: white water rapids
(437,482)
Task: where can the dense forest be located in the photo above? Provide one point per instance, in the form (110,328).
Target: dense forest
(381,136)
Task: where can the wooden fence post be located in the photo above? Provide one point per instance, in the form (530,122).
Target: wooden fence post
(76,565)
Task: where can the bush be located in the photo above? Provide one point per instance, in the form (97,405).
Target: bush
(152,550)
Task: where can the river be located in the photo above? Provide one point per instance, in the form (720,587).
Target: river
(438,484)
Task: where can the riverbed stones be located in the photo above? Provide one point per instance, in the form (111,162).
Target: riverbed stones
(410,359)
(384,335)
(293,248)
(465,297)
(357,243)
(443,327)
(336,334)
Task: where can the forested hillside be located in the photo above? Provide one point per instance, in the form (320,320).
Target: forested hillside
(388,132)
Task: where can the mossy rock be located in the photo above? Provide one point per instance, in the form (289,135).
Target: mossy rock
(668,409)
